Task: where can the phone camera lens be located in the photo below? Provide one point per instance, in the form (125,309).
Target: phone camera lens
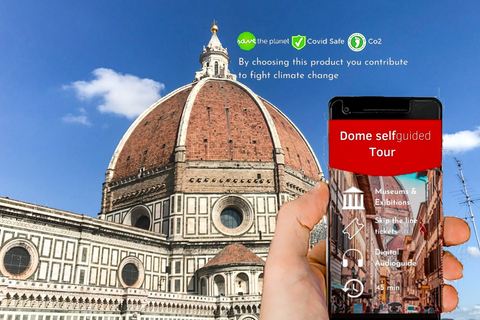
(346,110)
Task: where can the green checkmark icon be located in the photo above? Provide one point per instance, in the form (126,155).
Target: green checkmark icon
(299,42)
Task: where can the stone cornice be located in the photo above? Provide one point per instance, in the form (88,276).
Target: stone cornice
(76,223)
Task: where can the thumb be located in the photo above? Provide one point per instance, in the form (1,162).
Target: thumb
(295,220)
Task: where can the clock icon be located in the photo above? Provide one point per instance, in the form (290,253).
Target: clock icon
(355,288)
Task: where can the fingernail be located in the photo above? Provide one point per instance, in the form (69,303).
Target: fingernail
(466,231)
(447,253)
(450,255)
(316,188)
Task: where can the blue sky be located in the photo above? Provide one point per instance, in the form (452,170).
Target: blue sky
(64,89)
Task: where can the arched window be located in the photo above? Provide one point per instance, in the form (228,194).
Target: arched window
(203,287)
(143,222)
(216,69)
(241,284)
(260,283)
(138,217)
(218,285)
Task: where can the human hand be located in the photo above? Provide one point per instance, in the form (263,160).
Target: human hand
(294,280)
(294,286)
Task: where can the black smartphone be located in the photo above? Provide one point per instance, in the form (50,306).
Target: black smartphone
(385,222)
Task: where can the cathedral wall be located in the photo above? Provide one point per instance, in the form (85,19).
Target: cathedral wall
(192,216)
(187,258)
(28,300)
(72,251)
(145,186)
(78,270)
(297,183)
(229,177)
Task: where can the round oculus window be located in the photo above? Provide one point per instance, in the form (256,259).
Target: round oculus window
(231,218)
(232,215)
(16,260)
(130,274)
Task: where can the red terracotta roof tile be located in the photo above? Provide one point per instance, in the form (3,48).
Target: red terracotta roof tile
(226,124)
(235,253)
(297,153)
(152,143)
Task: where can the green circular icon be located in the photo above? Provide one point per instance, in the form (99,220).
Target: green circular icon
(246,41)
(357,42)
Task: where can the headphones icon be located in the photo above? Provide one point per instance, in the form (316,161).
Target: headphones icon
(345,261)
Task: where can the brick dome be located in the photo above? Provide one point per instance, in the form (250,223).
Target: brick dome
(213,136)
(213,120)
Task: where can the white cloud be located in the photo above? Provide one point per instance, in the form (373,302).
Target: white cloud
(126,95)
(464,313)
(81,119)
(473,252)
(461,141)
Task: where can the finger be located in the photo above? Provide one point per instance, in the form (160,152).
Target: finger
(294,222)
(456,231)
(317,256)
(317,260)
(450,298)
(310,207)
(452,268)
(287,256)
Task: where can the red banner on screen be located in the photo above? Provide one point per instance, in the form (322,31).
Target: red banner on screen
(385,147)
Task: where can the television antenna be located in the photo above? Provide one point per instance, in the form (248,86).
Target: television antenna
(468,200)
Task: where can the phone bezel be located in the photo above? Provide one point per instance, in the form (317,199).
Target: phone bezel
(378,108)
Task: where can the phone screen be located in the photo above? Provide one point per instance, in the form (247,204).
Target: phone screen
(385,211)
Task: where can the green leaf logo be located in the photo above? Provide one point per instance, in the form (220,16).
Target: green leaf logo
(246,41)
(299,42)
